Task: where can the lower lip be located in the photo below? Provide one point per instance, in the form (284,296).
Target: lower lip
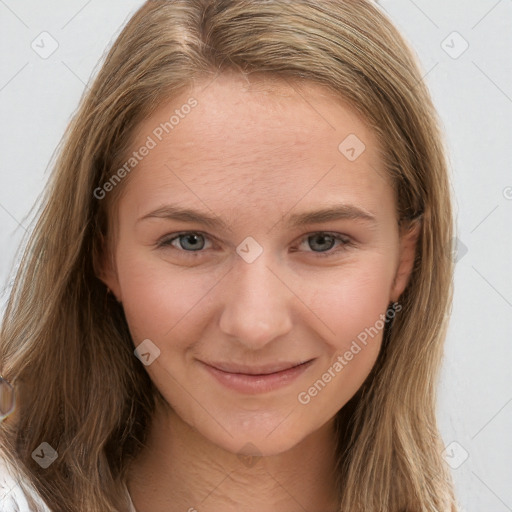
(253,384)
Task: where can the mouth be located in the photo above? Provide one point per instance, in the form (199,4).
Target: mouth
(257,378)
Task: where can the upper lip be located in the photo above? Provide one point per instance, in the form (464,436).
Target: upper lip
(260,369)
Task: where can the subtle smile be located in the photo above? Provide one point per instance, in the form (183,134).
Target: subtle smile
(256,379)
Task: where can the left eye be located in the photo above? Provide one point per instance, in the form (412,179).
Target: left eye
(322,239)
(188,241)
(192,242)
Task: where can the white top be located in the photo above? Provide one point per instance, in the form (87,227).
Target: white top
(12,498)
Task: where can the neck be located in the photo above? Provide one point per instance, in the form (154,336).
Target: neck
(180,470)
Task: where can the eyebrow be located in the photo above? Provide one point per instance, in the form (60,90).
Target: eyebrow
(327,214)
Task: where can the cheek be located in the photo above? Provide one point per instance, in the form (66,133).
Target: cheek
(160,300)
(354,309)
(351,299)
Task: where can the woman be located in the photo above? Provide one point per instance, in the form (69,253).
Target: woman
(178,337)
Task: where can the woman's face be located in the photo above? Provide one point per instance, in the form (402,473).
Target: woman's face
(259,316)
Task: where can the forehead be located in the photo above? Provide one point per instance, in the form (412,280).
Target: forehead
(258,142)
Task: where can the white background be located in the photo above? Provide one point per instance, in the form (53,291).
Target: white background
(473,94)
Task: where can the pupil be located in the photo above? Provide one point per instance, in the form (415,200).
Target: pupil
(322,239)
(193,239)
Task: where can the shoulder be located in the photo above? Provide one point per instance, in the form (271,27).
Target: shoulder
(12,498)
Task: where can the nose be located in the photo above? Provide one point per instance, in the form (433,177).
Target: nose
(257,304)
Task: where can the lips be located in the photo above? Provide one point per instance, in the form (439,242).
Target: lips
(266,369)
(256,379)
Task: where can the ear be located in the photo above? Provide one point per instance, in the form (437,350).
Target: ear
(105,268)
(409,234)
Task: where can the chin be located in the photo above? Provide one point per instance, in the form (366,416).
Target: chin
(256,436)
(258,444)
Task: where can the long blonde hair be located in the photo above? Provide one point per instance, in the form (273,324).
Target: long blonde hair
(65,344)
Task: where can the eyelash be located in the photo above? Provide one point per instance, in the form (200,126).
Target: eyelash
(345,242)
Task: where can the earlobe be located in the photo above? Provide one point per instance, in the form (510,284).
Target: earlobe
(112,286)
(109,278)
(104,268)
(409,236)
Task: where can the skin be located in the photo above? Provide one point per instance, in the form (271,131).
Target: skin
(252,155)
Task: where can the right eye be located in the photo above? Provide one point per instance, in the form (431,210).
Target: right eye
(187,242)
